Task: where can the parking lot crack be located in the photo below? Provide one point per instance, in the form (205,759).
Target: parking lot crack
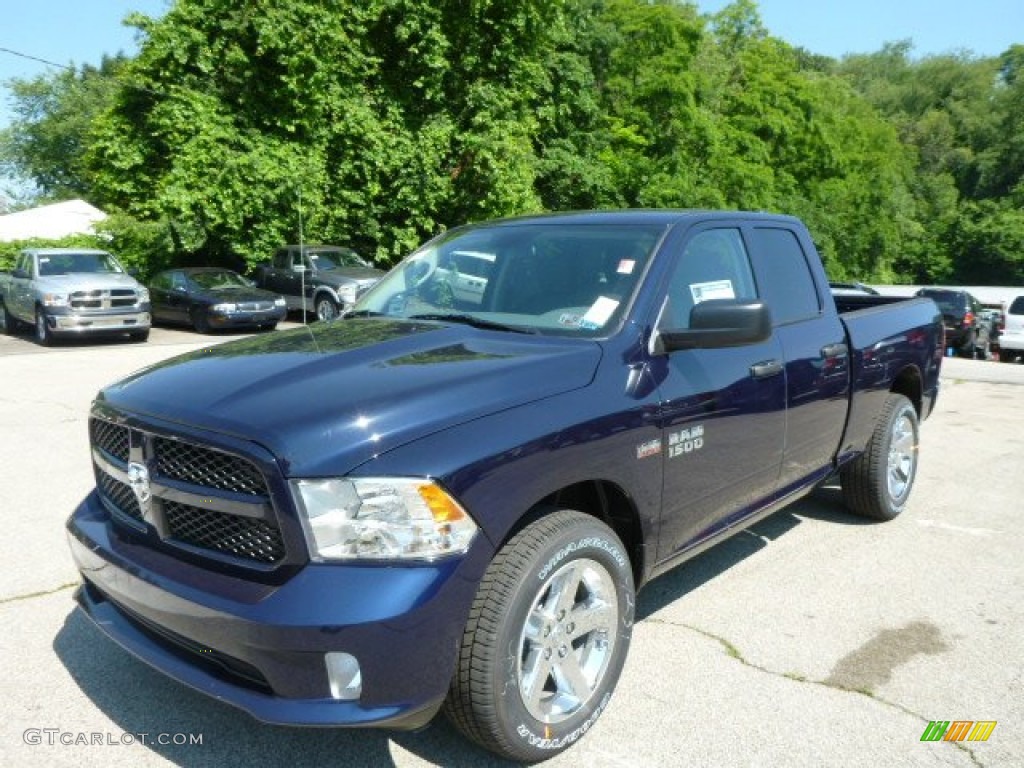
(40,593)
(734,652)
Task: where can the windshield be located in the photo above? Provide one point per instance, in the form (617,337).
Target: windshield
(547,277)
(334,258)
(220,279)
(73,263)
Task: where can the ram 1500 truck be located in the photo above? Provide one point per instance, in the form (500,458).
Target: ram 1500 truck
(442,503)
(73,292)
(325,279)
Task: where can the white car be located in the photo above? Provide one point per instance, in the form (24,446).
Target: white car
(466,273)
(1011,341)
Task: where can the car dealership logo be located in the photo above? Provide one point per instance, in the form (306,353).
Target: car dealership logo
(138,480)
(959,730)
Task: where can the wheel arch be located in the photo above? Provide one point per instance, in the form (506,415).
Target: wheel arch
(910,384)
(605,500)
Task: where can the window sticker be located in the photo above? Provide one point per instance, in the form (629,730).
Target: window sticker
(599,313)
(715,289)
(626,267)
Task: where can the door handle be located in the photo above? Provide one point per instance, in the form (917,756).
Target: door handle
(766,369)
(835,350)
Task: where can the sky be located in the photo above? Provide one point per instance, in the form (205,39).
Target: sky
(81,31)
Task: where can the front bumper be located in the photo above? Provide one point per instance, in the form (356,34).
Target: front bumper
(68,321)
(246,319)
(261,647)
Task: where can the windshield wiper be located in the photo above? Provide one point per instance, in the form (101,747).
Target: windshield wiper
(363,313)
(476,322)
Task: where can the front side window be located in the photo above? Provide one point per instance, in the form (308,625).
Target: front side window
(713,265)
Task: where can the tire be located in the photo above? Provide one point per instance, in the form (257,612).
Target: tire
(200,321)
(139,336)
(10,321)
(1007,356)
(44,336)
(878,483)
(522,635)
(267,327)
(967,347)
(326,308)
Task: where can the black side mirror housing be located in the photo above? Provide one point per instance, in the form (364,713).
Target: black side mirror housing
(718,323)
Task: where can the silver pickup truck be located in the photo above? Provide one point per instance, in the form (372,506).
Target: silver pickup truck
(73,291)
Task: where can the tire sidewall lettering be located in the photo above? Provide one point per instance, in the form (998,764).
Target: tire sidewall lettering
(561,742)
(587,542)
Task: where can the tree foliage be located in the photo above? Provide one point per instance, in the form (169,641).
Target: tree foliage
(380,122)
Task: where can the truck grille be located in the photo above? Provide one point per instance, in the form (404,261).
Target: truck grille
(104,299)
(230,514)
(239,536)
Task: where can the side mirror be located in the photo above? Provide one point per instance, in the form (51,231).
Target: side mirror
(20,273)
(718,323)
(299,268)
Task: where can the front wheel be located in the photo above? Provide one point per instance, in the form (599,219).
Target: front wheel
(877,484)
(200,321)
(546,639)
(326,308)
(43,333)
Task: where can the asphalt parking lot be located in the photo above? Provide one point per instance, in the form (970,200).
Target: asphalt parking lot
(814,639)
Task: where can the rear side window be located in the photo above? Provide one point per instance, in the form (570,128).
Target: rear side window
(788,284)
(1017,308)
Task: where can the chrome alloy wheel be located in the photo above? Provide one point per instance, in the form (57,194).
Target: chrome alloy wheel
(568,640)
(902,456)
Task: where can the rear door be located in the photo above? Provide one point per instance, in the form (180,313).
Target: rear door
(814,346)
(722,410)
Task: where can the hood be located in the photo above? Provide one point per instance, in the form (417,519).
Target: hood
(361,276)
(328,397)
(86,281)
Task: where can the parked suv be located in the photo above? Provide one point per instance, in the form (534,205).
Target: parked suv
(960,316)
(1011,341)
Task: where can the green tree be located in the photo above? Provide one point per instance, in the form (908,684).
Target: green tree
(53,117)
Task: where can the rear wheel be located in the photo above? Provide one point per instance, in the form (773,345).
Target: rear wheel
(967,348)
(546,638)
(878,483)
(10,321)
(43,333)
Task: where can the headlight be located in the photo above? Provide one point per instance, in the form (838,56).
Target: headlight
(381,518)
(143,295)
(279,301)
(224,308)
(55,300)
(347,293)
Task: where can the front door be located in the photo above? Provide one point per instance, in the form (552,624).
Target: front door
(722,410)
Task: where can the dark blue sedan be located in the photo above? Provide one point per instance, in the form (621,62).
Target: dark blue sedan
(211,298)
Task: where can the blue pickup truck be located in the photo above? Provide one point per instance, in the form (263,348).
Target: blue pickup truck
(447,502)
